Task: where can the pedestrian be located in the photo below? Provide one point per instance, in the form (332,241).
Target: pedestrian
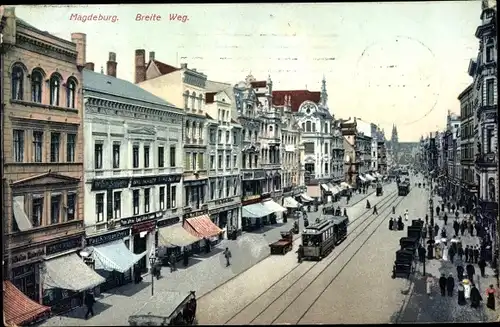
(475,297)
(207,245)
(185,257)
(461,294)
(490,297)
(437,210)
(426,219)
(442,206)
(471,229)
(456,226)
(462,228)
(391,223)
(393,210)
(345,212)
(137,274)
(368,205)
(449,206)
(482,266)
(421,253)
(375,212)
(227,255)
(436,229)
(424,232)
(445,219)
(453,207)
(475,254)
(172,261)
(406,215)
(429,282)
(442,284)
(460,252)
(457,214)
(450,285)
(470,272)
(451,253)
(467,253)
(89,302)
(460,272)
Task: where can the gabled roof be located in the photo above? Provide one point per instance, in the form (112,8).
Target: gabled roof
(115,89)
(297,97)
(162,67)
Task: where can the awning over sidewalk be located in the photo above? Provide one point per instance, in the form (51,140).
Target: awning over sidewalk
(202,226)
(345,186)
(369,177)
(69,272)
(174,236)
(337,188)
(115,256)
(313,191)
(273,206)
(333,189)
(19,309)
(325,187)
(290,202)
(306,198)
(256,210)
(362,178)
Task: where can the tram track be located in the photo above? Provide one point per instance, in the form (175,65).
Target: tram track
(298,273)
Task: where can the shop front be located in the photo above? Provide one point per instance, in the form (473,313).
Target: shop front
(97,246)
(225,213)
(65,275)
(254,214)
(173,238)
(272,204)
(25,268)
(199,224)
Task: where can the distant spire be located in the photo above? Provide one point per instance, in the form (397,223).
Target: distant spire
(324,94)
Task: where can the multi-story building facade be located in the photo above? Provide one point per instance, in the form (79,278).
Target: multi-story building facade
(375,133)
(468,147)
(224,139)
(42,124)
(381,153)
(450,149)
(185,88)
(133,169)
(484,71)
(365,146)
(358,154)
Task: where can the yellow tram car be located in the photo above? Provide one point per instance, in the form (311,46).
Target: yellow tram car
(319,240)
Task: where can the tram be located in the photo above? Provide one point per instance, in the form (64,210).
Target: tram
(320,239)
(404,188)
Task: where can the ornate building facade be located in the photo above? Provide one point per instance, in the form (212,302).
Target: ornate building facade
(468,148)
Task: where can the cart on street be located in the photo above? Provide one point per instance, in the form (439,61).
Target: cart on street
(284,245)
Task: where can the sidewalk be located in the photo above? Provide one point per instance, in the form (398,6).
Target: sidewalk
(435,308)
(205,273)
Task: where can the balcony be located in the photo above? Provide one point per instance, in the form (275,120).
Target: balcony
(486,160)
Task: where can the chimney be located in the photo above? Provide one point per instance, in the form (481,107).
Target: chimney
(111,65)
(80,39)
(89,66)
(140,65)
(152,56)
(184,66)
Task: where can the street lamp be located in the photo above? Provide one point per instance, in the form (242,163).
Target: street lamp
(152,261)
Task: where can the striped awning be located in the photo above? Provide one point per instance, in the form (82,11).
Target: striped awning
(19,309)
(202,226)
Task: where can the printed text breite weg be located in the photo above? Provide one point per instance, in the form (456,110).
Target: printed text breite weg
(157,18)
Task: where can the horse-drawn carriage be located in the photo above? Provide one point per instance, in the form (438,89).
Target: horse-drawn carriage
(166,308)
(284,245)
(405,263)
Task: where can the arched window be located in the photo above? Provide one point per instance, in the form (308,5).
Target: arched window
(193,99)
(200,128)
(194,131)
(55,88)
(200,101)
(17,83)
(36,86)
(186,99)
(308,126)
(188,132)
(70,93)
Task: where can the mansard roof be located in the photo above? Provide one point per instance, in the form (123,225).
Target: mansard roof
(119,90)
(297,98)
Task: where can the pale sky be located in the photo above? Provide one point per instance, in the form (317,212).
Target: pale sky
(402,63)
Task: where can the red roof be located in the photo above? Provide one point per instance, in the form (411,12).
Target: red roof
(298,97)
(258,84)
(18,308)
(202,226)
(164,68)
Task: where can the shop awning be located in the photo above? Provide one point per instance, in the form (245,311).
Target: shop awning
(333,189)
(255,210)
(344,185)
(362,178)
(115,256)
(69,272)
(290,202)
(19,309)
(306,198)
(369,177)
(173,236)
(337,188)
(325,187)
(202,226)
(313,191)
(273,206)
(378,175)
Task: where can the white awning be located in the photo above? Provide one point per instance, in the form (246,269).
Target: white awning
(369,177)
(115,256)
(337,188)
(332,189)
(362,178)
(325,187)
(345,186)
(273,206)
(306,198)
(290,202)
(256,210)
(22,220)
(69,272)
(175,236)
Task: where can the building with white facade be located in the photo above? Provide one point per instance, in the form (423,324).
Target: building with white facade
(132,171)
(224,157)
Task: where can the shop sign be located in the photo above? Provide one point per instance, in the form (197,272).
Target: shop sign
(28,255)
(100,184)
(138,219)
(194,182)
(218,210)
(247,176)
(106,238)
(193,214)
(259,175)
(167,222)
(155,180)
(251,197)
(59,247)
(144,227)
(223,201)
